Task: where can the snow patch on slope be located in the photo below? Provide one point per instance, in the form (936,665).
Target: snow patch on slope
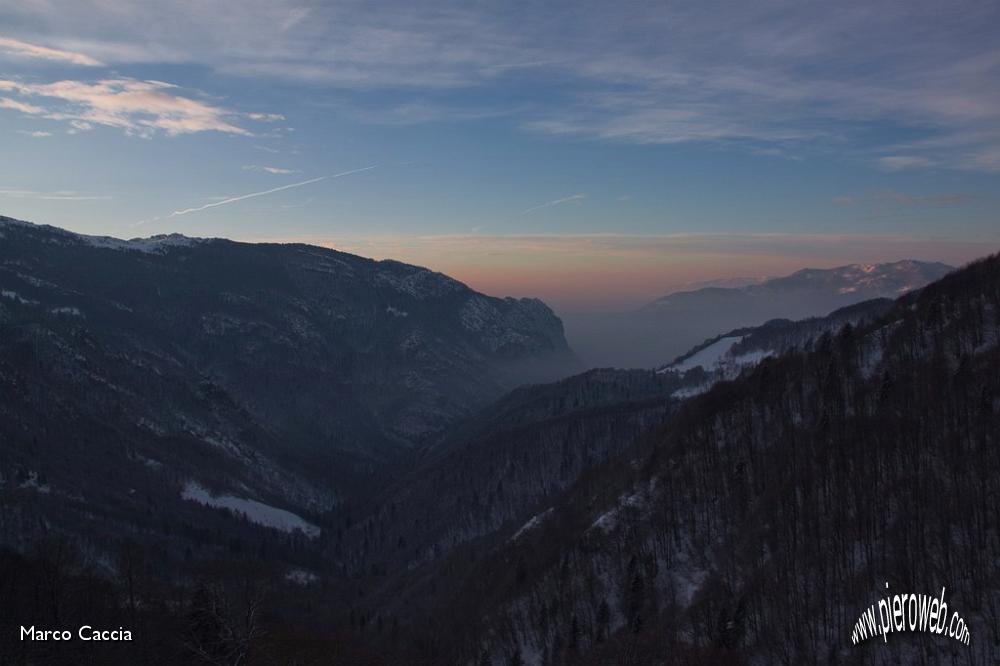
(718,360)
(252,510)
(14,296)
(301,577)
(708,357)
(33,483)
(637,501)
(534,523)
(691,391)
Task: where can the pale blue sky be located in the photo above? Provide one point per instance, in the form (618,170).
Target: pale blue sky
(488,122)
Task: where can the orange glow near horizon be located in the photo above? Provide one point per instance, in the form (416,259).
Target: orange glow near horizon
(607,272)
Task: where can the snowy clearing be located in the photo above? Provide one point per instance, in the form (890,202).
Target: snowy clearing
(708,357)
(252,510)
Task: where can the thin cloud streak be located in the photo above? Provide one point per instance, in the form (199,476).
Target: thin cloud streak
(243,197)
(900,162)
(28,50)
(269,169)
(266,117)
(61,195)
(30,109)
(554,202)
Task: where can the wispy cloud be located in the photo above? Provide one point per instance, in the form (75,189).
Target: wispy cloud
(59,195)
(301,204)
(266,117)
(554,202)
(18,48)
(900,162)
(420,111)
(141,108)
(37,134)
(269,169)
(932,199)
(76,126)
(243,197)
(31,109)
(758,76)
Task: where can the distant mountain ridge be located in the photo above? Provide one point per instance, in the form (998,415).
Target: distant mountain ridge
(724,283)
(673,324)
(859,281)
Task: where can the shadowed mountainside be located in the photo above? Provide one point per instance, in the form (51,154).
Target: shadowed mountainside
(287,375)
(766,514)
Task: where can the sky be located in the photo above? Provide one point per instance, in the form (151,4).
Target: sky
(596,155)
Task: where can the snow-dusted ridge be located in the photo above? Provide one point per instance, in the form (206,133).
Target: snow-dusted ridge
(151,245)
(727,356)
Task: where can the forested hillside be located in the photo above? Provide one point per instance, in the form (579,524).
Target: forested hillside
(499,468)
(767,514)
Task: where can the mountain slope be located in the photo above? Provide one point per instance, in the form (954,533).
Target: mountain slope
(500,467)
(286,375)
(726,356)
(768,513)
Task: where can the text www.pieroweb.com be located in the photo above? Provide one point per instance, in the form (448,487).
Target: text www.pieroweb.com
(910,612)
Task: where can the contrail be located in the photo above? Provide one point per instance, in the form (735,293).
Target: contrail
(556,202)
(178,213)
(186,211)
